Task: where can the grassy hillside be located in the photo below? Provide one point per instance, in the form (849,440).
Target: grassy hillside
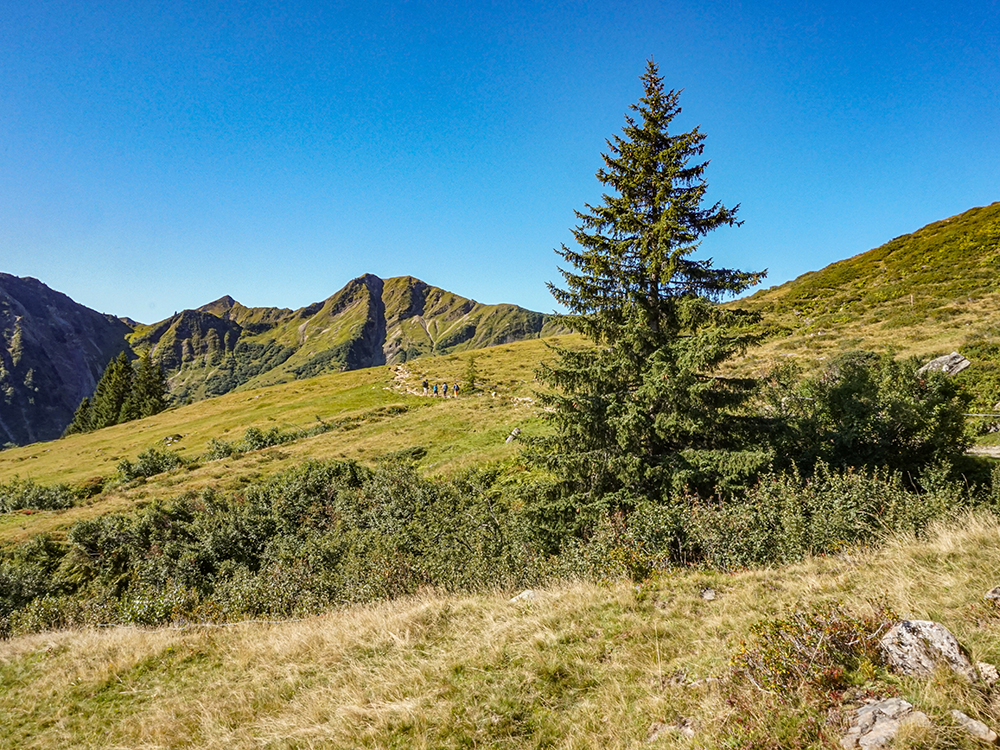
(579,666)
(924,293)
(224,346)
(372,413)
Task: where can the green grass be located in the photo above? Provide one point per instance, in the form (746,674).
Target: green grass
(925,293)
(455,433)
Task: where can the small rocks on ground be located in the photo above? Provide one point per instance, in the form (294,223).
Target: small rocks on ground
(875,724)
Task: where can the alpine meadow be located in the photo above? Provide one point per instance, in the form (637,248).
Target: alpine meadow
(674,515)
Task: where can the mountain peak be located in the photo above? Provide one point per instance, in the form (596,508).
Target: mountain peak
(220,306)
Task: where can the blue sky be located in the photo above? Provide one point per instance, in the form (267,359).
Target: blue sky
(156,156)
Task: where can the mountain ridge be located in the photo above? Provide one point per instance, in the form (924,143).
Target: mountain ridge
(224,345)
(53,350)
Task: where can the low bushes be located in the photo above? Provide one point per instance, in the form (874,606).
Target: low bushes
(329,533)
(19,493)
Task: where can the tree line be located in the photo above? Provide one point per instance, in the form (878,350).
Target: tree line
(124,392)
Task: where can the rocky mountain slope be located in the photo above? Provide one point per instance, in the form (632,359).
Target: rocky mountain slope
(224,345)
(52,351)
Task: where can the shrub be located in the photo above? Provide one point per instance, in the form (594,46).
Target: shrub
(219,449)
(26,493)
(150,462)
(821,647)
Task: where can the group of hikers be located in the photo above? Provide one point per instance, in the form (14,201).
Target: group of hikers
(443,391)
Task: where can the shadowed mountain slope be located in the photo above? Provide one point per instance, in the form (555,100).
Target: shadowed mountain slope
(52,352)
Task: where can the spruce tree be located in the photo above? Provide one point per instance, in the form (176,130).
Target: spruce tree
(112,392)
(82,418)
(645,411)
(149,389)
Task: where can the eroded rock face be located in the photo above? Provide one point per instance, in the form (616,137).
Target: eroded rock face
(52,353)
(916,647)
(875,724)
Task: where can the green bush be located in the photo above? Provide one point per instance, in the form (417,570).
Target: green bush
(26,493)
(866,410)
(150,462)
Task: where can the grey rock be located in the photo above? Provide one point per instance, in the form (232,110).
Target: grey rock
(993,594)
(916,647)
(987,673)
(708,594)
(513,435)
(876,724)
(974,727)
(949,364)
(525,596)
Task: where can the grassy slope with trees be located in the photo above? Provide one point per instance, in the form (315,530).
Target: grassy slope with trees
(868,455)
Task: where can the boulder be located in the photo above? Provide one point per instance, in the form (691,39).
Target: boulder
(916,647)
(974,727)
(949,364)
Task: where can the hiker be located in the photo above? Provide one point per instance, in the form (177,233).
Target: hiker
(435,390)
(425,386)
(456,390)
(445,393)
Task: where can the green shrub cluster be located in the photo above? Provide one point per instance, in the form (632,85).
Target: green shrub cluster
(315,537)
(150,462)
(26,493)
(783,518)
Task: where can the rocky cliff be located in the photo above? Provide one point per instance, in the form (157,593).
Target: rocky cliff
(52,352)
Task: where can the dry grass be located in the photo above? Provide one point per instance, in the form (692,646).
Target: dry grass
(581,666)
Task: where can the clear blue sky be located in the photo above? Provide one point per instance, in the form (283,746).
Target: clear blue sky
(156,156)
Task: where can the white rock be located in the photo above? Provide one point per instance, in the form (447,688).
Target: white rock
(875,724)
(987,673)
(949,364)
(974,727)
(916,647)
(525,596)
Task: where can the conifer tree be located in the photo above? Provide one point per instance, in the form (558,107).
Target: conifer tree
(82,418)
(112,392)
(645,411)
(149,389)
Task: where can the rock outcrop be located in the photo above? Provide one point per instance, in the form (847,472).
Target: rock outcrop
(917,647)
(876,724)
(52,353)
